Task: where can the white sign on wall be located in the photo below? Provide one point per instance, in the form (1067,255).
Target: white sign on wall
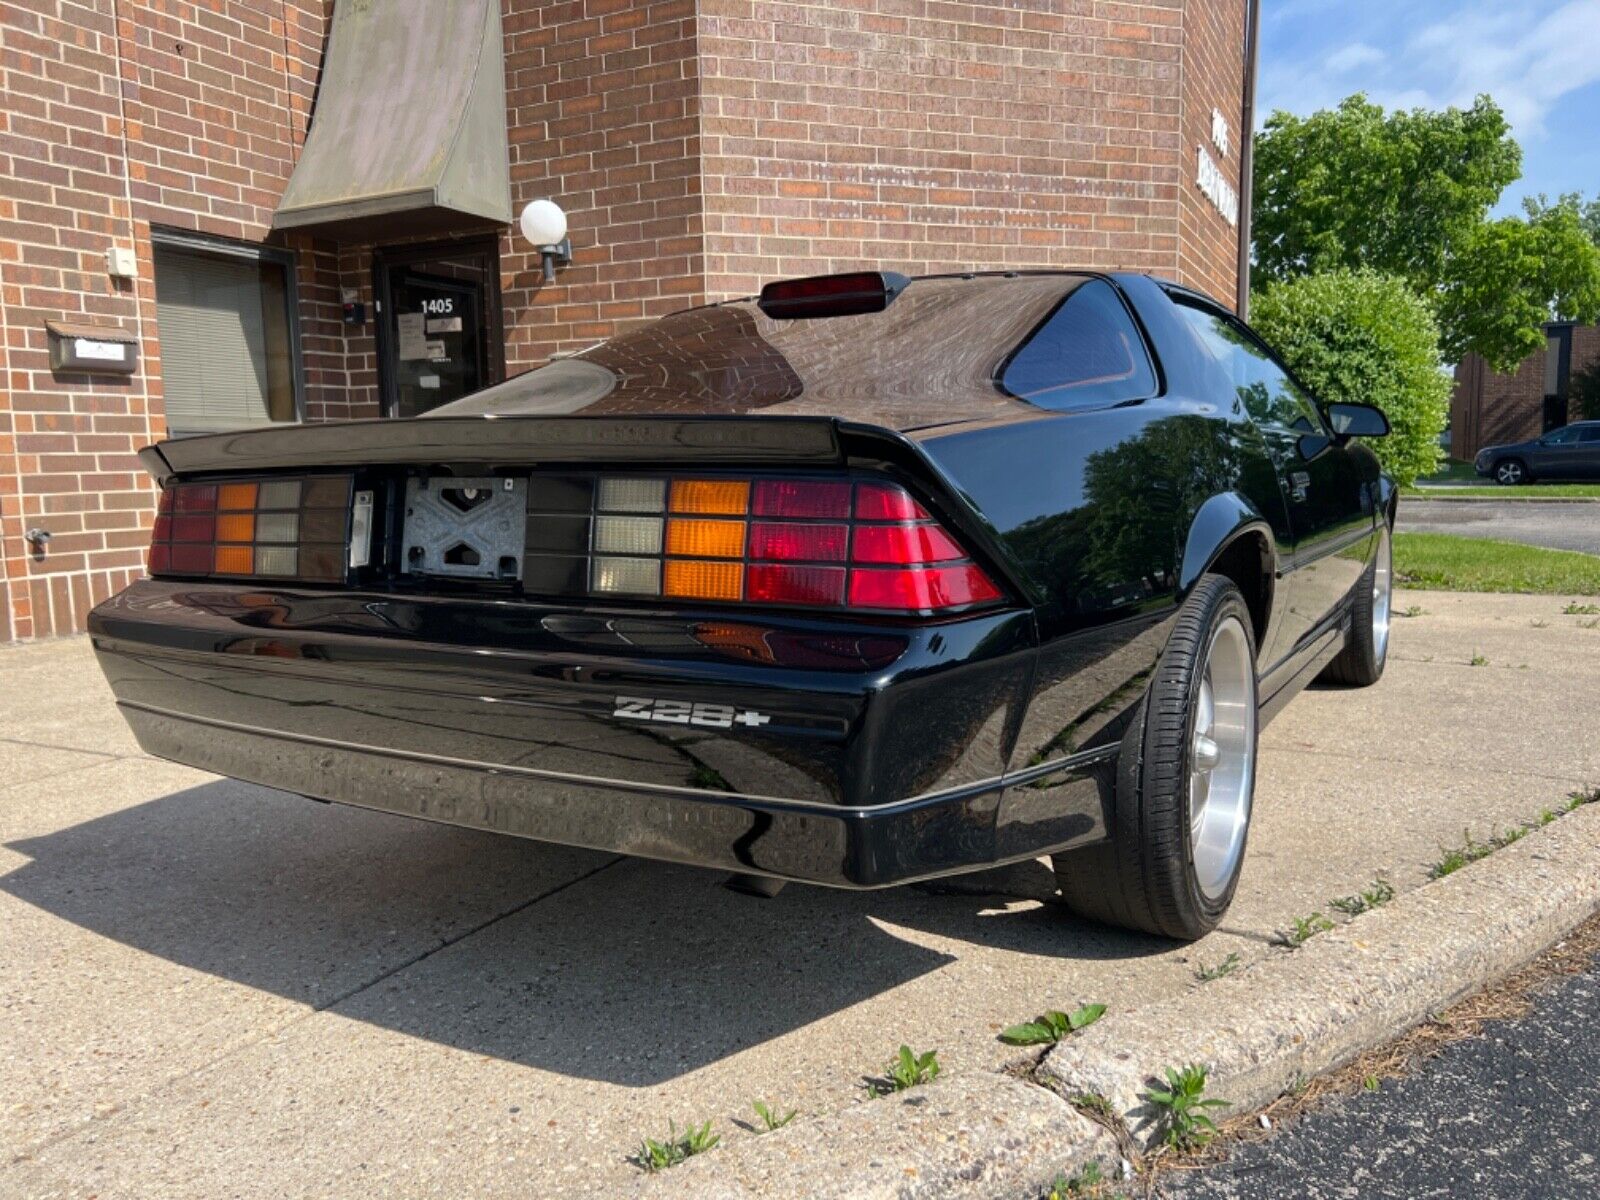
(1212,182)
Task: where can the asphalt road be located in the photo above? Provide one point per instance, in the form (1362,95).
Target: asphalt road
(212,989)
(1509,1115)
(1535,522)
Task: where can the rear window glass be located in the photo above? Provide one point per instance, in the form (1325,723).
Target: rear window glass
(1086,354)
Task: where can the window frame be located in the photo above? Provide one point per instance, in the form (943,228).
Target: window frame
(1151,358)
(1187,299)
(192,242)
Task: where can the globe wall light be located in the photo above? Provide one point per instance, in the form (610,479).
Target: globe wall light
(545,225)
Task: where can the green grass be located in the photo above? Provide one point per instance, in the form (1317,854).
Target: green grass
(1450,471)
(1532,491)
(1459,564)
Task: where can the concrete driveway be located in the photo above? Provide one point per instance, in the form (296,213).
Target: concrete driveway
(1556,525)
(212,989)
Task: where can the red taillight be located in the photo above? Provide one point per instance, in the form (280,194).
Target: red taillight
(919,588)
(794,542)
(904,544)
(268,528)
(799,543)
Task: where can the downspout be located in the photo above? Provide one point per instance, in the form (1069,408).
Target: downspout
(1247,117)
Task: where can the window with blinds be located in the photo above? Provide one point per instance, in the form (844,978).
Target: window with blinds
(227,357)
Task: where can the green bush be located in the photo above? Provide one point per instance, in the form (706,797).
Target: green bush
(1366,338)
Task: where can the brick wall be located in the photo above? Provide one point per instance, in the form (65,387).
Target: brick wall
(1213,78)
(1493,408)
(699,147)
(948,136)
(603,118)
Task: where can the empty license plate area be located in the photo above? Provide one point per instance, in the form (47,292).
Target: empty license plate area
(464,528)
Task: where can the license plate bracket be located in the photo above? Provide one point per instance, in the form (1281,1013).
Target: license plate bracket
(468,528)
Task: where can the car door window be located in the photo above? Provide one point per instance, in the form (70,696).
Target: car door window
(1265,389)
(1085,354)
(1560,437)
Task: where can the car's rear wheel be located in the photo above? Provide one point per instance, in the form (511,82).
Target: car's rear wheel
(1361,661)
(1185,781)
(1510,472)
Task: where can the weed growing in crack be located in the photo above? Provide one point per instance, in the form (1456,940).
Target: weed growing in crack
(1087,1181)
(770,1119)
(1051,1026)
(654,1155)
(1581,610)
(1379,893)
(1224,968)
(1184,1107)
(906,1069)
(1303,930)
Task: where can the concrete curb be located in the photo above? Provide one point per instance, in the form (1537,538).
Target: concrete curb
(1286,1016)
(981,1136)
(1348,990)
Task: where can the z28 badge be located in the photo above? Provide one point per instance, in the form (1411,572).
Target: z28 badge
(685,712)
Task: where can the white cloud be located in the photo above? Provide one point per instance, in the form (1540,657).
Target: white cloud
(1526,64)
(1527,54)
(1348,58)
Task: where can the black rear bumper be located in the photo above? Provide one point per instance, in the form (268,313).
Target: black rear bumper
(883,758)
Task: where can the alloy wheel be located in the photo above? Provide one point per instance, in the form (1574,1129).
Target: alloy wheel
(1509,473)
(1382,593)
(1222,759)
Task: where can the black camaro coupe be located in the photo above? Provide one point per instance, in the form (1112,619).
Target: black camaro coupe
(865,581)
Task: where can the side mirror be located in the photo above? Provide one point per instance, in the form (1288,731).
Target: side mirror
(1357,420)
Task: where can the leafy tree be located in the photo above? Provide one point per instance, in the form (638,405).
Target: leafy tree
(1407,193)
(1588,213)
(1364,337)
(1512,276)
(1358,187)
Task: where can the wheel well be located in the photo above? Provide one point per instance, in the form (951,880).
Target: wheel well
(1247,560)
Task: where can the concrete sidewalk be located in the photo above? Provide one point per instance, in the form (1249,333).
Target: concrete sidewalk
(210,988)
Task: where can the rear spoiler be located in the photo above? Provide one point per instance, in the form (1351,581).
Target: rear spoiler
(485,442)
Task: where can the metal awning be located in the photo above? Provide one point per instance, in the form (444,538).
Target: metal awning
(409,131)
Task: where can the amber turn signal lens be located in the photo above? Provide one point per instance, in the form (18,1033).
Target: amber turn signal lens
(705,539)
(730,496)
(235,560)
(236,527)
(231,497)
(704,580)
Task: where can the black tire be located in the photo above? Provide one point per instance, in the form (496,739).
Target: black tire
(1361,662)
(1144,877)
(1512,472)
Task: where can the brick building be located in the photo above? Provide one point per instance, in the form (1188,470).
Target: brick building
(161,205)
(1493,408)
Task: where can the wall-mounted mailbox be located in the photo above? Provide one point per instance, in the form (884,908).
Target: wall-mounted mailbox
(78,347)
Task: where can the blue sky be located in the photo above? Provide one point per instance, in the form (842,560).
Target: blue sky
(1539,60)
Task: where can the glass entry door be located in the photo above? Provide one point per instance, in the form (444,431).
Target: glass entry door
(438,325)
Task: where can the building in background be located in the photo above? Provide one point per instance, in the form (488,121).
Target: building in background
(1493,408)
(218,215)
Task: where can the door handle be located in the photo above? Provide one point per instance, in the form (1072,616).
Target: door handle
(1299,484)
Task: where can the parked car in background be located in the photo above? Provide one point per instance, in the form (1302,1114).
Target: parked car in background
(1569,454)
(865,581)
